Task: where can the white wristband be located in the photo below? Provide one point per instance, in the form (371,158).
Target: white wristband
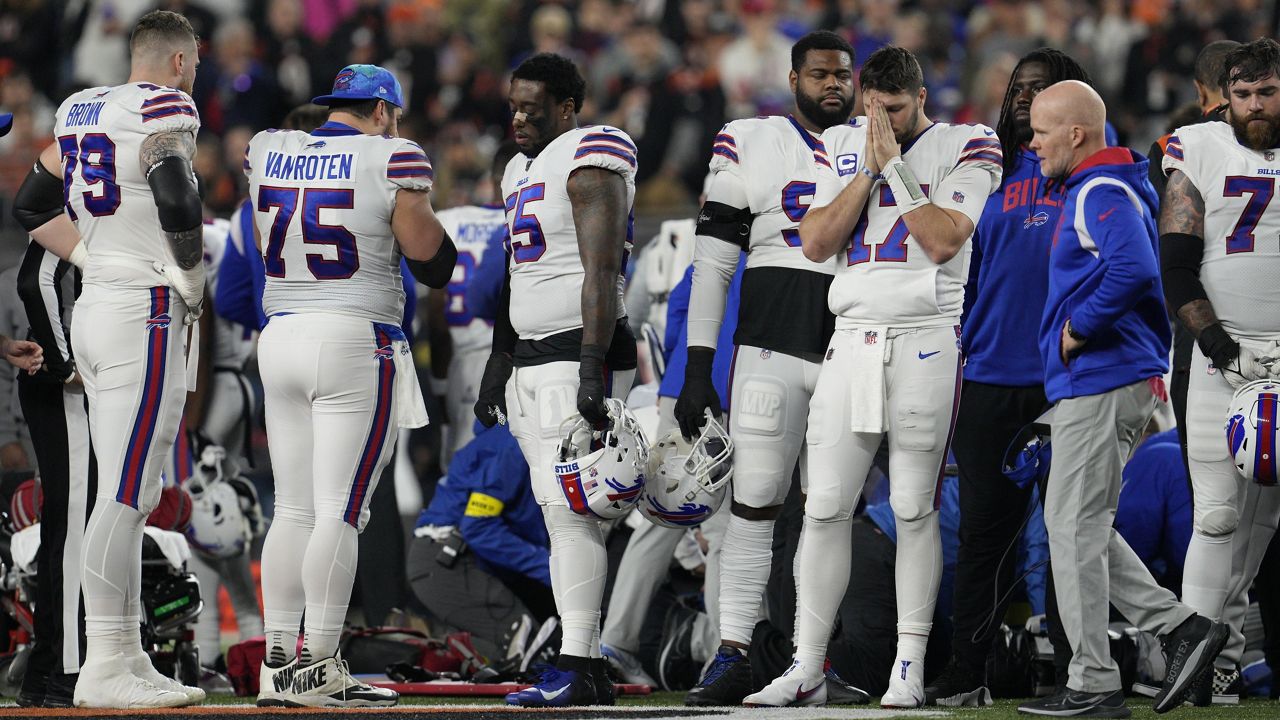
(79,255)
(907,193)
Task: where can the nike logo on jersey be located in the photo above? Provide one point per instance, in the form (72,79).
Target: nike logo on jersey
(310,680)
(926,356)
(1106,215)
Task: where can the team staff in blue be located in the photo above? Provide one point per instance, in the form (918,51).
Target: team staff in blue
(1003,376)
(1104,340)
(479,558)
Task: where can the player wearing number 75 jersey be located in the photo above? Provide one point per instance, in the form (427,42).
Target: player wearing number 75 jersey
(898,222)
(1220,264)
(122,166)
(335,210)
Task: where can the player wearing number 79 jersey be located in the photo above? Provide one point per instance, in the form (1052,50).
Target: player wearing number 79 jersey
(898,220)
(1221,262)
(335,209)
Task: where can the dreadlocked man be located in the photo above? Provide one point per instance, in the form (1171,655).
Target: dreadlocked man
(1003,376)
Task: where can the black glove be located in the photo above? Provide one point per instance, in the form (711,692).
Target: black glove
(491,403)
(698,394)
(591,393)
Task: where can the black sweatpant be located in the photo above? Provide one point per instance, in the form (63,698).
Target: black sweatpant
(59,422)
(992,512)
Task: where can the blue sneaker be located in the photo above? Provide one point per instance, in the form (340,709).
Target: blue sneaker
(556,688)
(727,681)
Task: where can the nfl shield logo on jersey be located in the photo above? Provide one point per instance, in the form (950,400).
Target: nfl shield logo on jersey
(957,196)
(870,337)
(1268,155)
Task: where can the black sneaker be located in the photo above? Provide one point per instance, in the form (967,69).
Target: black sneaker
(60,688)
(957,687)
(1074,703)
(1220,687)
(840,692)
(605,694)
(1189,653)
(726,682)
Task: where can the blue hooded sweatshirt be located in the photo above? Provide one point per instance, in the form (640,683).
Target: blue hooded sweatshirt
(1104,275)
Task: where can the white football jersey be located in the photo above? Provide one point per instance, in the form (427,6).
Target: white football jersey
(323,204)
(546,269)
(232,342)
(472,228)
(100,133)
(883,276)
(1240,269)
(777,163)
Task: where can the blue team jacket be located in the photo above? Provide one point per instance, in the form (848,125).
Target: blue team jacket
(485,285)
(1009,279)
(1154,512)
(490,500)
(677,338)
(1104,275)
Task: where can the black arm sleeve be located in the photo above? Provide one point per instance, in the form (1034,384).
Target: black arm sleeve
(1180,256)
(731,224)
(39,200)
(436,272)
(177,197)
(41,290)
(504,335)
(1155,169)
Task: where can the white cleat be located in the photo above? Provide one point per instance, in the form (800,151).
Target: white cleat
(328,683)
(141,666)
(799,685)
(906,686)
(108,683)
(274,684)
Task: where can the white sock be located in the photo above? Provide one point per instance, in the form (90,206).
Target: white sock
(917,573)
(795,576)
(283,597)
(578,569)
(112,548)
(328,572)
(824,577)
(744,572)
(1206,574)
(912,647)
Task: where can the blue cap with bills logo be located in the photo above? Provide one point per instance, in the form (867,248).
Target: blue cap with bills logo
(363,82)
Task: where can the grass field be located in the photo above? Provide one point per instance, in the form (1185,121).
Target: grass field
(1003,709)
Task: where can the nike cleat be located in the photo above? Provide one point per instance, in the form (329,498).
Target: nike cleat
(800,685)
(328,683)
(557,688)
(906,686)
(726,682)
(627,666)
(275,683)
(840,692)
(1073,703)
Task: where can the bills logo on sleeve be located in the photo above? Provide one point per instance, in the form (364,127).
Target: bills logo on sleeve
(847,164)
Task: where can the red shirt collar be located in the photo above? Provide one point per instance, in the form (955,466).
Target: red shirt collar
(1105,156)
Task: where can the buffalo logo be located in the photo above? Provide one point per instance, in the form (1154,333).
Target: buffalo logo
(344,80)
(1235,433)
(317,145)
(160,321)
(1036,220)
(690,513)
(386,352)
(622,491)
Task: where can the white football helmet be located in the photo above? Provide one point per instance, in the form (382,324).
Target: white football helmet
(1252,434)
(219,528)
(687,481)
(601,472)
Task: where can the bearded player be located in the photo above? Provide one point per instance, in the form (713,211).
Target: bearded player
(764,175)
(1220,264)
(896,210)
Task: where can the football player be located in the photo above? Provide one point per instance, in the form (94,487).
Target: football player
(765,172)
(476,229)
(1219,264)
(124,157)
(334,209)
(561,335)
(896,207)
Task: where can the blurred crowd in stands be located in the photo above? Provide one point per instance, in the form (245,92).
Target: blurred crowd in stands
(669,72)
